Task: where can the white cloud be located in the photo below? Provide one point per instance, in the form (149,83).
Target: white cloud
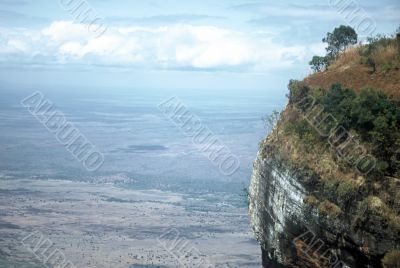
(17,46)
(169,47)
(62,31)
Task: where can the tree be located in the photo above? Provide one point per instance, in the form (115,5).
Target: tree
(340,39)
(319,63)
(271,120)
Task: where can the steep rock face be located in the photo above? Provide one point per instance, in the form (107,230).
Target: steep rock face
(294,234)
(276,201)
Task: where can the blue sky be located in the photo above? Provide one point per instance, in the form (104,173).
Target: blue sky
(174,43)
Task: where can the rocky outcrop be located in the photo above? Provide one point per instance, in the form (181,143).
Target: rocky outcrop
(293,233)
(275,199)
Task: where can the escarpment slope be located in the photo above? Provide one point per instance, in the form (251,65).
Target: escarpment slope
(325,189)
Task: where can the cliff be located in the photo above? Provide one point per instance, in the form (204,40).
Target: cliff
(325,188)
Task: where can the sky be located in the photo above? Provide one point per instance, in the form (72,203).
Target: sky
(230,44)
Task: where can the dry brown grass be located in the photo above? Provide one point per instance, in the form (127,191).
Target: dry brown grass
(350,58)
(351,71)
(385,54)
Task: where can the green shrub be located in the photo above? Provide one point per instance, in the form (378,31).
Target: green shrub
(347,189)
(386,67)
(329,209)
(309,141)
(310,200)
(373,115)
(297,91)
(330,185)
(301,128)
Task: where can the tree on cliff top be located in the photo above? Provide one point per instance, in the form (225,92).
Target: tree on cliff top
(340,39)
(319,64)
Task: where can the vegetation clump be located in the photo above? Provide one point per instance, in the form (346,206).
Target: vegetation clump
(380,54)
(392,259)
(371,115)
(373,205)
(348,190)
(329,209)
(311,200)
(338,41)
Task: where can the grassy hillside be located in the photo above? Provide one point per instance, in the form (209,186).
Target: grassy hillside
(375,65)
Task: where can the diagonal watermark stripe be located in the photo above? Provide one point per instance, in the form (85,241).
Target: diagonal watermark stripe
(201,135)
(65,132)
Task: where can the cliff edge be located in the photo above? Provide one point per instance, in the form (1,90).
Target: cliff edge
(325,188)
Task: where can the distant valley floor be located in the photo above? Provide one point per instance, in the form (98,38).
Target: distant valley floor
(102,225)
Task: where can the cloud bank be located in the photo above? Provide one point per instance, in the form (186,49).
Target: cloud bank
(181,46)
